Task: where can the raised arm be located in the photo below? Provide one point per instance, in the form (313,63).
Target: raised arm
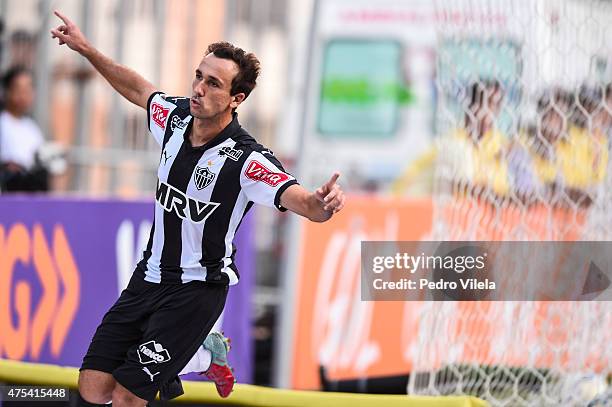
(318,206)
(128,83)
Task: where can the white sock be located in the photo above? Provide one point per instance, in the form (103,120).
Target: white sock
(200,362)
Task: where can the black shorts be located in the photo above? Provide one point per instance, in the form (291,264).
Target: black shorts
(152,331)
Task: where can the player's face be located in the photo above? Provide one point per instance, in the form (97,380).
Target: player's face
(212,86)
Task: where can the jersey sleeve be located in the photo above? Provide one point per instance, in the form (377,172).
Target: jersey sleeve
(158,112)
(263,179)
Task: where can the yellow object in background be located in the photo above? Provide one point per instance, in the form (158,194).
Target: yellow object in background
(582,158)
(486,158)
(243,395)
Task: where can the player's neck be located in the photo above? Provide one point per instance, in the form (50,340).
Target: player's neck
(204,130)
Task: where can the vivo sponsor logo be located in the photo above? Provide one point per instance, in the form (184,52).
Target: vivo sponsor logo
(258,172)
(159,114)
(184,206)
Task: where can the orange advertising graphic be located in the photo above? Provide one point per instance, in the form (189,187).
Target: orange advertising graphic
(42,319)
(333,327)
(354,338)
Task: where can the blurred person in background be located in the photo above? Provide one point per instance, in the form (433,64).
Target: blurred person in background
(211,172)
(583,155)
(561,159)
(602,117)
(475,152)
(532,156)
(485,100)
(594,100)
(20,137)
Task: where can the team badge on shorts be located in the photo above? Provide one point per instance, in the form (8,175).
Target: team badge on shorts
(203,177)
(152,352)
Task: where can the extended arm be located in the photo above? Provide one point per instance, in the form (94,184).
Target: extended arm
(317,206)
(128,83)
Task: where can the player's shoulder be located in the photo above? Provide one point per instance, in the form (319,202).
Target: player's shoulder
(181,102)
(251,146)
(168,102)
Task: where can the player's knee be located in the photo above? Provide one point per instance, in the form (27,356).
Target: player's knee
(95,388)
(124,397)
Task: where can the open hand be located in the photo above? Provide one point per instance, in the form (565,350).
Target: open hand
(69,33)
(331,195)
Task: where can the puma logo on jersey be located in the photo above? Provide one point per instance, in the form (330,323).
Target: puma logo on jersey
(184,206)
(258,172)
(166,156)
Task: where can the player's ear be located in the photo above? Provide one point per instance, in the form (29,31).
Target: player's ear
(237,99)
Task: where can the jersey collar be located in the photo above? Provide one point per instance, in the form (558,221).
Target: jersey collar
(229,130)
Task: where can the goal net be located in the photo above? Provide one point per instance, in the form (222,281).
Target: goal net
(523,124)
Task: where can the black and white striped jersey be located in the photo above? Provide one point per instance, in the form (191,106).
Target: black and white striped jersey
(202,195)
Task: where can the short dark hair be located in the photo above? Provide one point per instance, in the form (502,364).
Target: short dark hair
(9,77)
(555,97)
(248,66)
(590,97)
(476,91)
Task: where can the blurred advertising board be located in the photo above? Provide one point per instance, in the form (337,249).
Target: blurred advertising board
(332,326)
(63,263)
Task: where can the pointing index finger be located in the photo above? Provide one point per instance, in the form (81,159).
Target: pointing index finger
(334,178)
(65,19)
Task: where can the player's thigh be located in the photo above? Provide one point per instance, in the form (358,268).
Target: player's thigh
(175,331)
(121,328)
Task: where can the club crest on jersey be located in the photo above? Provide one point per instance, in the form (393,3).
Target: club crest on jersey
(258,172)
(232,154)
(184,206)
(159,114)
(152,352)
(177,123)
(202,177)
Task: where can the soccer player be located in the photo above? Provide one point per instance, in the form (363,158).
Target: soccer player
(211,171)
